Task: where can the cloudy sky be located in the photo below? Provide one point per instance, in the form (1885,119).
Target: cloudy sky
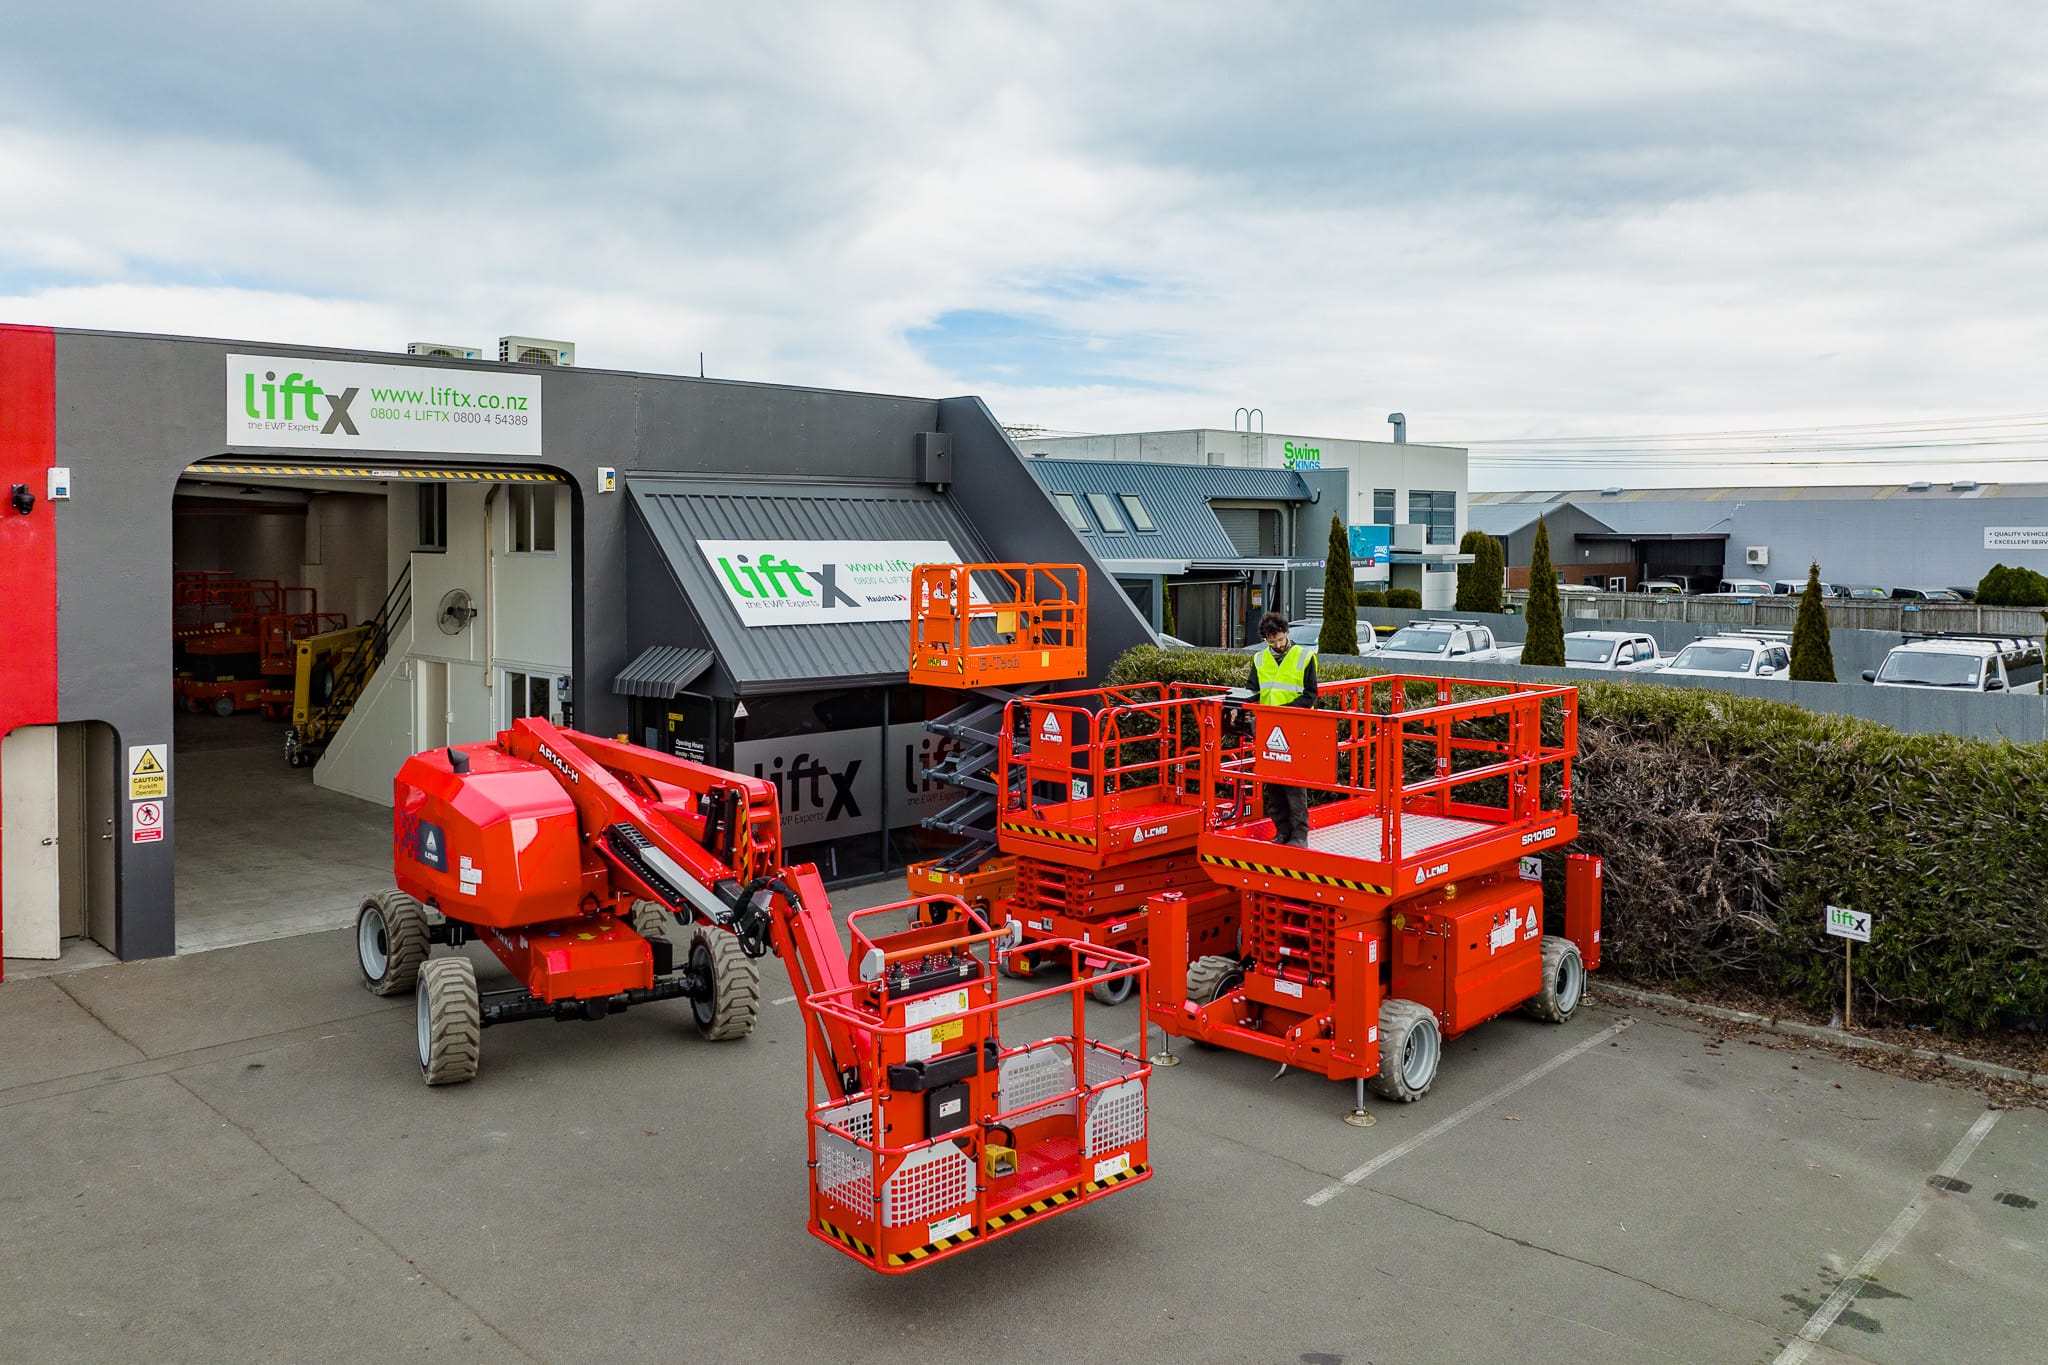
(1508,220)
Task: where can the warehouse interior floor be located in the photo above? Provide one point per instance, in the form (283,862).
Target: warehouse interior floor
(263,853)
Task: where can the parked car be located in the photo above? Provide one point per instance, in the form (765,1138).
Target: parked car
(1616,650)
(1796,587)
(1965,594)
(1733,656)
(1447,640)
(1862,592)
(1924,595)
(1967,663)
(1662,587)
(1744,587)
(1310,632)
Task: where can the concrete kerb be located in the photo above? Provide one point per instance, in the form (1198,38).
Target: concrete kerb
(1816,1033)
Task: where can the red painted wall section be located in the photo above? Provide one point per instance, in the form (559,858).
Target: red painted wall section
(28,544)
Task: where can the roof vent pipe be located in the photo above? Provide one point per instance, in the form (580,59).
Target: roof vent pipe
(1400,421)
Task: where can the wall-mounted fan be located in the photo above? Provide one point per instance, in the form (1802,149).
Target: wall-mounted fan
(457,611)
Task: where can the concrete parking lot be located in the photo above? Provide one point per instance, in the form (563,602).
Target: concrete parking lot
(229,1156)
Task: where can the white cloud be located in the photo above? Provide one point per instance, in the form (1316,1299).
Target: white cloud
(1508,224)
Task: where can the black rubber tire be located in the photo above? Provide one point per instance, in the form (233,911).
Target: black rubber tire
(735,985)
(1211,977)
(1411,1050)
(1112,992)
(450,1021)
(397,923)
(651,921)
(223,707)
(1564,982)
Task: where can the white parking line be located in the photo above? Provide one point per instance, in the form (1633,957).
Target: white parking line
(783,1000)
(1393,1154)
(1845,1293)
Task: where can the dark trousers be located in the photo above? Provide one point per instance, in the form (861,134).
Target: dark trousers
(1287,808)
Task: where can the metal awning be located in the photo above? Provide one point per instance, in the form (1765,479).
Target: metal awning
(661,672)
(421,473)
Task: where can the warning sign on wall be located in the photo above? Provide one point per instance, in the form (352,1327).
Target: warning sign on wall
(148,777)
(146,822)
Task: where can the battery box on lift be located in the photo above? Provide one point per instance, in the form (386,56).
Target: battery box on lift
(1471,953)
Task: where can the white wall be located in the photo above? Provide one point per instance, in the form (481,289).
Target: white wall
(523,623)
(347,552)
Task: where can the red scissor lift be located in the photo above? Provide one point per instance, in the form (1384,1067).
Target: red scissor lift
(235,639)
(1411,916)
(1102,805)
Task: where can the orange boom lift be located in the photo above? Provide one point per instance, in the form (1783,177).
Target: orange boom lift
(574,859)
(1414,913)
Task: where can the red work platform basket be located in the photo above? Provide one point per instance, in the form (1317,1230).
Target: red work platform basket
(954,1137)
(1097,778)
(998,625)
(1414,796)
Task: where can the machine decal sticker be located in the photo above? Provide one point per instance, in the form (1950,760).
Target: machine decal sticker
(1505,933)
(1051,729)
(424,842)
(951,1227)
(1111,1166)
(1539,836)
(1276,746)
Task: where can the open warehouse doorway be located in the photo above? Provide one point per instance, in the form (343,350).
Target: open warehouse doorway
(328,621)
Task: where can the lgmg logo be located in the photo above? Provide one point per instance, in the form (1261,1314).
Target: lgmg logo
(298,394)
(1301,457)
(775,579)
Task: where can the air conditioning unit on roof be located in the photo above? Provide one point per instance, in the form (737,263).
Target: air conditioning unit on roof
(535,351)
(446,349)
(1757,556)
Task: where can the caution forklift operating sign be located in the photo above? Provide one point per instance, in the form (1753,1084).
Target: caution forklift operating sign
(148,777)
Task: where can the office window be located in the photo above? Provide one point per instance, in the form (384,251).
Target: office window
(1437,511)
(531,516)
(433,527)
(1070,508)
(1105,512)
(1383,507)
(1135,510)
(528,694)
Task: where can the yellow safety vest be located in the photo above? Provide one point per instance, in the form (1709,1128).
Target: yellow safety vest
(1281,681)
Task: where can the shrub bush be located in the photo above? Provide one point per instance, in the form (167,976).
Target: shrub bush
(2014,587)
(1373,597)
(1403,597)
(1728,823)
(1545,642)
(1479,582)
(1340,608)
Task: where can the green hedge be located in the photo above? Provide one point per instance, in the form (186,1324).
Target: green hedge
(1728,823)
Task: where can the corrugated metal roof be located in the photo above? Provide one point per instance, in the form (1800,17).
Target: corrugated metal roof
(661,672)
(1938,490)
(1504,519)
(678,511)
(1176,496)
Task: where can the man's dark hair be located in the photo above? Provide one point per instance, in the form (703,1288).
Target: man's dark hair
(1272,623)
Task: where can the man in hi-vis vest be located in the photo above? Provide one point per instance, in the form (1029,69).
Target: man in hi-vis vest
(1284,674)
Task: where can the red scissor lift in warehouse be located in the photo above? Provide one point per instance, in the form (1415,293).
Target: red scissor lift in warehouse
(1412,915)
(235,640)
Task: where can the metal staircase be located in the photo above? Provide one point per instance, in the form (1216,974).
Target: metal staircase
(349,668)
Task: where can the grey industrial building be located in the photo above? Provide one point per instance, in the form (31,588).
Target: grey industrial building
(543,545)
(1928,534)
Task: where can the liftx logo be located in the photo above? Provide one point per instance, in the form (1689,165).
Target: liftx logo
(298,391)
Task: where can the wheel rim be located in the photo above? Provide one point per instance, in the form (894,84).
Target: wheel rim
(426,1031)
(1418,1056)
(1226,986)
(705,1009)
(373,950)
(1571,982)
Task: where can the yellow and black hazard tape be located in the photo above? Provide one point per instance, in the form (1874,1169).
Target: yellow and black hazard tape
(1001,1220)
(1316,877)
(1042,832)
(425,473)
(846,1239)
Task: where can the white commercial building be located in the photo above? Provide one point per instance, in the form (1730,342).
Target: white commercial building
(1417,493)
